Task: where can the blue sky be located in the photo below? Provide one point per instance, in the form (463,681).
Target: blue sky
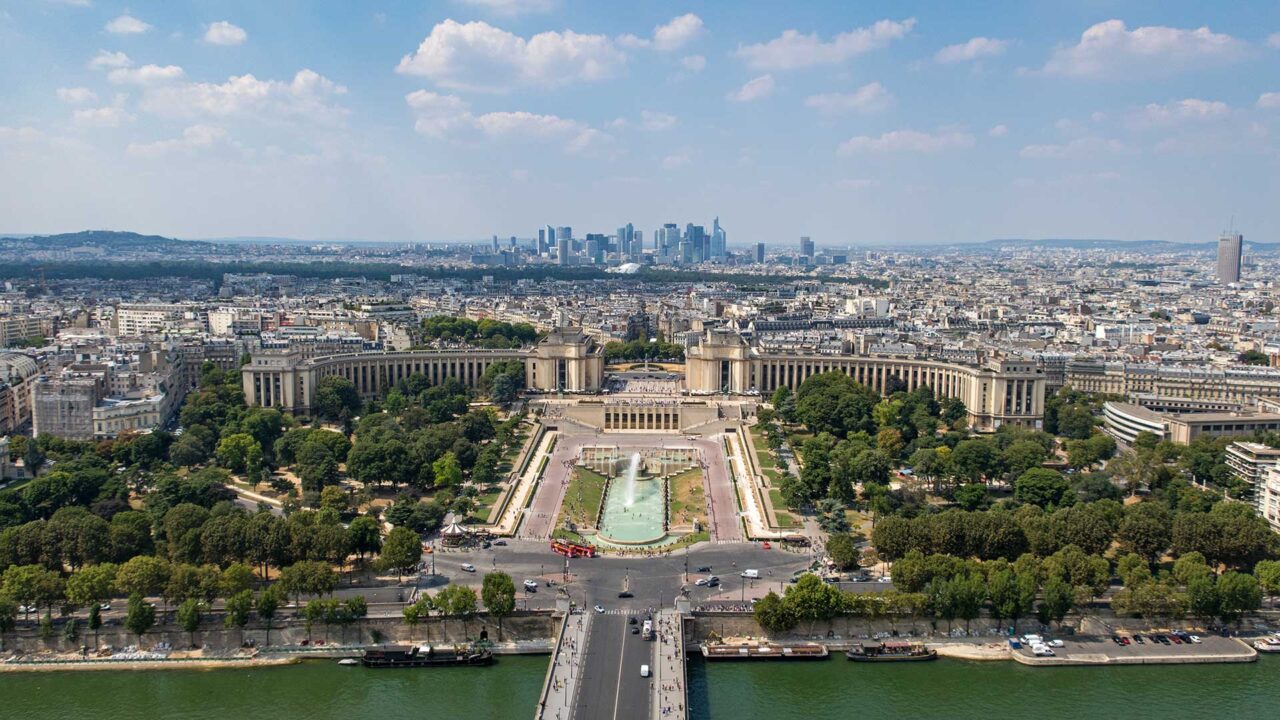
(856,123)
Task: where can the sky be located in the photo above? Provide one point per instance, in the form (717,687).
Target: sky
(855,123)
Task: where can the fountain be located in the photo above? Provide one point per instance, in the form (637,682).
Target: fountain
(630,479)
(634,508)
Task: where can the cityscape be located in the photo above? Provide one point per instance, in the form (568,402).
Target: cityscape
(474,418)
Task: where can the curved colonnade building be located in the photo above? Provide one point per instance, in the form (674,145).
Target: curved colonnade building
(997,393)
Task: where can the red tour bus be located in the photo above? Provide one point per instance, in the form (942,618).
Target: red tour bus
(572,549)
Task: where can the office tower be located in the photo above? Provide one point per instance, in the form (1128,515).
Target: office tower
(542,240)
(699,242)
(667,238)
(637,244)
(626,240)
(806,246)
(760,252)
(719,240)
(685,252)
(1230,249)
(595,247)
(495,244)
(562,251)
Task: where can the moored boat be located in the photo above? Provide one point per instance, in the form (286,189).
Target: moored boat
(891,652)
(1267,645)
(764,650)
(405,656)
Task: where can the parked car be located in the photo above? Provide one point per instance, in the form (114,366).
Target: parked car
(704,569)
(500,543)
(1195,639)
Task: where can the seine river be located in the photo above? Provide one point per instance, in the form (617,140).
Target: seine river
(946,689)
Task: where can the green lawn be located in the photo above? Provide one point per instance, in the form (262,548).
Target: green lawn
(582,498)
(484,504)
(786,520)
(688,497)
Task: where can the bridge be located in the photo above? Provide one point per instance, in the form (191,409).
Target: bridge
(595,669)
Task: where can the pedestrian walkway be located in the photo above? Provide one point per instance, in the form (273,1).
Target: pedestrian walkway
(560,690)
(670,701)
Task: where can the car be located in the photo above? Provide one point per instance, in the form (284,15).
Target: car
(644,671)
(500,543)
(1139,639)
(625,594)
(704,569)
(1055,643)
(767,546)
(599,609)
(632,620)
(750,574)
(468,567)
(485,545)
(530,586)
(1116,639)
(1176,640)
(24,609)
(104,607)
(713,582)
(635,631)
(1195,639)
(1125,641)
(885,579)
(700,582)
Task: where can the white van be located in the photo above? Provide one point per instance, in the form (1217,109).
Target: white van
(644,671)
(751,574)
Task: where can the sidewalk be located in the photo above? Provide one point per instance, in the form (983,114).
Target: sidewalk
(510,520)
(670,701)
(561,688)
(748,493)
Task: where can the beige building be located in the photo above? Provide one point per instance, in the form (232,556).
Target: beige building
(1125,420)
(995,393)
(1239,385)
(567,359)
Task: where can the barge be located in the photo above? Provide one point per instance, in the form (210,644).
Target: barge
(763,650)
(891,652)
(412,656)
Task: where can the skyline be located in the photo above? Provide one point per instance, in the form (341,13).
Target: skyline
(904,124)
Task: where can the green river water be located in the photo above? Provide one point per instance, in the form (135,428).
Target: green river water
(948,689)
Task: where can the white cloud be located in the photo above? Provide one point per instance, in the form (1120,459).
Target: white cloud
(1269,100)
(974,49)
(912,141)
(72,3)
(1181,110)
(655,121)
(145,75)
(677,160)
(511,8)
(106,117)
(308,96)
(869,98)
(857,183)
(1073,149)
(224,33)
(693,63)
(1273,40)
(672,36)
(677,33)
(999,130)
(754,89)
(1108,49)
(23,134)
(193,138)
(126,25)
(449,117)
(76,95)
(792,50)
(106,59)
(478,56)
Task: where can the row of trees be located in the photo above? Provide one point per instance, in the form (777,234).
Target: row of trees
(484,333)
(638,350)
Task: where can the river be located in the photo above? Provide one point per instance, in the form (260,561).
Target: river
(831,690)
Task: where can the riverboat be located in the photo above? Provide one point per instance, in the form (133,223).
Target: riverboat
(1267,645)
(760,650)
(891,652)
(407,656)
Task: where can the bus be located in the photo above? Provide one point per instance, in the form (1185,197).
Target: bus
(647,632)
(572,549)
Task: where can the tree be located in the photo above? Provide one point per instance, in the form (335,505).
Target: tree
(317,467)
(333,396)
(1056,600)
(1268,574)
(238,607)
(32,585)
(975,460)
(415,612)
(1238,594)
(144,575)
(1041,486)
(1133,570)
(971,496)
(268,603)
(235,579)
(811,599)
(1023,455)
(1202,596)
(446,471)
(95,622)
(401,551)
(843,551)
(91,585)
(774,615)
(366,536)
(308,577)
(498,593)
(1146,530)
(1189,566)
(140,616)
(189,618)
(239,451)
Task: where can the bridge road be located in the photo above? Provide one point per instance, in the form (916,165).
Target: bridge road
(610,686)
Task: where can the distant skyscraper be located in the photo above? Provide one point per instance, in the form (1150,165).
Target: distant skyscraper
(806,246)
(562,251)
(719,240)
(495,243)
(760,252)
(1230,250)
(699,242)
(666,239)
(626,241)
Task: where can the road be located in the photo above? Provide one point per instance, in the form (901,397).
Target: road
(611,685)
